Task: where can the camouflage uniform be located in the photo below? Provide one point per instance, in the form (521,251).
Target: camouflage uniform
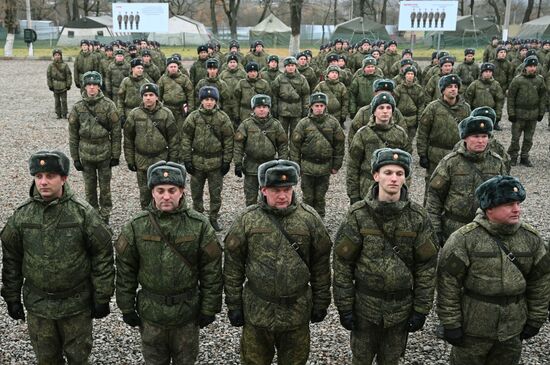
(259,57)
(197,71)
(432,87)
(526,104)
(245,90)
(486,93)
(257,141)
(227,102)
(104,64)
(173,294)
(129,96)
(360,92)
(59,81)
(84,62)
(378,286)
(367,140)
(504,73)
(468,72)
(283,286)
(483,293)
(490,53)
(450,200)
(290,99)
(232,77)
(151,72)
(175,91)
(410,101)
(338,98)
(309,73)
(387,60)
(207,143)
(95,141)
(269,74)
(317,145)
(149,136)
(362,119)
(60,254)
(116,72)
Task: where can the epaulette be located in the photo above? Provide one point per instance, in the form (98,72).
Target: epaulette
(139,215)
(25,203)
(450,155)
(496,155)
(359,205)
(530,228)
(309,209)
(418,208)
(193,214)
(80,201)
(468,228)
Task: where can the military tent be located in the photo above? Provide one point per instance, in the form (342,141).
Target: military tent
(272,31)
(85,28)
(471,31)
(358,28)
(538,28)
(182,31)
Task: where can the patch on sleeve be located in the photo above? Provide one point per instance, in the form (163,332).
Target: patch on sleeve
(239,137)
(213,250)
(8,234)
(121,245)
(347,249)
(232,242)
(454,265)
(541,268)
(102,234)
(296,137)
(437,182)
(426,251)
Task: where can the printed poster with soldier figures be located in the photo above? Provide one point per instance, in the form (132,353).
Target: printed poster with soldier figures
(140,17)
(422,16)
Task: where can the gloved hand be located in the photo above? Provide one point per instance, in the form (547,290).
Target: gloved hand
(454,336)
(424,162)
(77,85)
(51,88)
(100,310)
(512,118)
(236,317)
(416,321)
(132,167)
(353,200)
(131,319)
(238,171)
(205,320)
(346,320)
(540,117)
(225,168)
(68,87)
(122,120)
(114,162)
(189,167)
(528,332)
(15,310)
(78,165)
(318,315)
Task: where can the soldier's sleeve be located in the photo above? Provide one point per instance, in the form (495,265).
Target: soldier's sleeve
(49,79)
(68,77)
(240,141)
(542,97)
(511,100)
(76,75)
(423,132)
(538,285)
(188,90)
(430,89)
(282,143)
(296,140)
(101,256)
(74,135)
(116,132)
(160,84)
(120,102)
(344,100)
(353,89)
(347,249)
(12,262)
(305,97)
(421,103)
(353,128)
(210,272)
(127,265)
(228,141)
(173,138)
(275,97)
(339,146)
(234,264)
(499,100)
(425,262)
(438,189)
(108,84)
(470,93)
(187,138)
(129,140)
(320,263)
(451,270)
(353,169)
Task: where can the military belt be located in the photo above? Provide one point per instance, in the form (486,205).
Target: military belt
(282,300)
(500,300)
(59,294)
(458,218)
(316,160)
(170,300)
(97,140)
(207,154)
(362,288)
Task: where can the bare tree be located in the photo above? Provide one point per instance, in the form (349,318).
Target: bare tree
(495,7)
(528,11)
(335,18)
(231,9)
(472,7)
(325,19)
(266,6)
(383,12)
(76,11)
(10,22)
(181,7)
(539,9)
(295,22)
(213,18)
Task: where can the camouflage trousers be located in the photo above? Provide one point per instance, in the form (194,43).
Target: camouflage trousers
(482,351)
(176,111)
(93,173)
(160,345)
(145,196)
(51,339)
(289,124)
(258,346)
(372,340)
(527,127)
(60,103)
(215,185)
(251,186)
(314,189)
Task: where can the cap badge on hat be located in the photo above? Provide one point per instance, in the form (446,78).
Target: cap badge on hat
(165,174)
(208,91)
(515,189)
(481,125)
(453,78)
(395,156)
(42,162)
(283,177)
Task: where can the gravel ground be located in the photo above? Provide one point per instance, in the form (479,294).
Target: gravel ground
(28,123)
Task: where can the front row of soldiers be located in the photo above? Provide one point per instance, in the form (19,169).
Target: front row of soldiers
(493,274)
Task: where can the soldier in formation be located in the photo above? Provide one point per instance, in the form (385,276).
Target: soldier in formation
(59,78)
(286,269)
(486,92)
(246,89)
(84,62)
(129,93)
(337,94)
(95,142)
(116,72)
(179,277)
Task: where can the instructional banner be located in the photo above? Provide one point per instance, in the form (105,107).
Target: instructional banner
(140,17)
(428,15)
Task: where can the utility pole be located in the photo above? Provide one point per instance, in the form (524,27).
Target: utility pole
(506,20)
(29,25)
